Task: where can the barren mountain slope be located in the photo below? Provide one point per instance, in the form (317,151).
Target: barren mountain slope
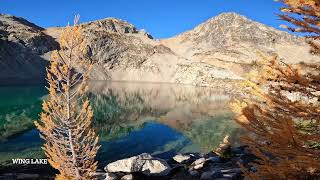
(21,46)
(122,53)
(235,42)
(223,48)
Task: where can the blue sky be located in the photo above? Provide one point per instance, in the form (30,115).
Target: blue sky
(161,18)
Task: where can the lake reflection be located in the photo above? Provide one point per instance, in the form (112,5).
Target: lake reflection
(161,119)
(131,118)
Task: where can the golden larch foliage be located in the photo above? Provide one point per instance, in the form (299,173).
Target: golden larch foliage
(281,111)
(281,107)
(304,15)
(65,125)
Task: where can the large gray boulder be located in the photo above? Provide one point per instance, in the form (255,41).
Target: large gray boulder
(143,163)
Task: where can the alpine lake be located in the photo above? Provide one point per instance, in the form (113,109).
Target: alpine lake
(130,118)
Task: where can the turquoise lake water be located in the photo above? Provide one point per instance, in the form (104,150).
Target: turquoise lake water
(130,118)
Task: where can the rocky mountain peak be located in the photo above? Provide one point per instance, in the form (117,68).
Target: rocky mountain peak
(22,45)
(229,17)
(231,27)
(223,47)
(234,42)
(10,21)
(25,34)
(114,25)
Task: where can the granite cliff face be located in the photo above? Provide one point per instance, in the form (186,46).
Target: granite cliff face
(22,45)
(224,47)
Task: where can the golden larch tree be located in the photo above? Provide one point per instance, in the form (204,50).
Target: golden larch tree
(281,111)
(70,142)
(281,106)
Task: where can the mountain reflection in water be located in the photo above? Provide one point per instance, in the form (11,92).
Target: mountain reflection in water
(132,118)
(162,119)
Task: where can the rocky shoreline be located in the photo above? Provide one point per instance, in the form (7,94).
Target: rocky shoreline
(188,166)
(181,167)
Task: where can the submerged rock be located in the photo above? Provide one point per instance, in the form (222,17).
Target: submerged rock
(143,163)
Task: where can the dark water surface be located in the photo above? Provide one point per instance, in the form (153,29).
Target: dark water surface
(130,118)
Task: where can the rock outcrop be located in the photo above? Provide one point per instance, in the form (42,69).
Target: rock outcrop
(222,48)
(22,47)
